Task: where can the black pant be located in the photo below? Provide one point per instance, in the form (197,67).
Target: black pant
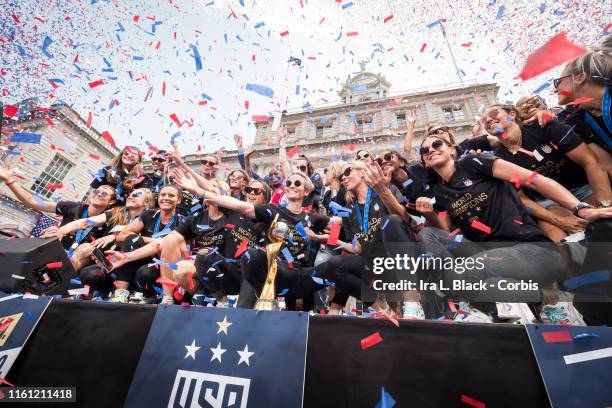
(298,280)
(219,277)
(138,273)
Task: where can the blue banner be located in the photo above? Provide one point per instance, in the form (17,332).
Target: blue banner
(575,363)
(19,316)
(221,358)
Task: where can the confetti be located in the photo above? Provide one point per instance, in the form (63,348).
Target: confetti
(54,265)
(33,138)
(241,248)
(294,150)
(107,136)
(557,337)
(555,52)
(388,18)
(423,47)
(481,227)
(261,90)
(10,110)
(473,402)
(386,400)
(371,340)
(96,83)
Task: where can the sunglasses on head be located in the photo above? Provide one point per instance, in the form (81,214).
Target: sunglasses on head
(557,81)
(436,145)
(100,193)
(253,190)
(363,156)
(295,183)
(209,163)
(439,130)
(236,177)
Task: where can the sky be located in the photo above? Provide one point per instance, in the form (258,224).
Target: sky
(196,72)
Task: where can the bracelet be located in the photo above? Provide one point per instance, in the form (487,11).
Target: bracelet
(8,183)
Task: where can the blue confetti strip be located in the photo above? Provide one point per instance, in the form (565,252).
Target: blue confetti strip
(46,43)
(196,56)
(261,90)
(500,12)
(587,279)
(26,138)
(287,255)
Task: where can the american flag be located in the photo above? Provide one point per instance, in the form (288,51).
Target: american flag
(42,224)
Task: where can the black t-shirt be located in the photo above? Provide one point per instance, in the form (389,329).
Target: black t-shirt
(149,219)
(376,213)
(476,143)
(240,228)
(205,231)
(575,116)
(297,244)
(118,183)
(73,210)
(549,145)
(473,194)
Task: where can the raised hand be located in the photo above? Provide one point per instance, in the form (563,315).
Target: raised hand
(543,117)
(374,176)
(185,181)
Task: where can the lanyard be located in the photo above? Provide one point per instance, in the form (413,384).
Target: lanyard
(158,223)
(159,184)
(82,233)
(363,222)
(605,110)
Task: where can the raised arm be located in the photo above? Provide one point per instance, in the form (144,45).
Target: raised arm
(135,227)
(23,195)
(549,188)
(410,124)
(231,203)
(282,152)
(380,182)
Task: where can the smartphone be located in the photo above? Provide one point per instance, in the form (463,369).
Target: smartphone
(102,261)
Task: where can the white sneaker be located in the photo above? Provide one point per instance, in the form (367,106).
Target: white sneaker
(413,311)
(518,313)
(562,312)
(139,298)
(167,300)
(120,296)
(466,313)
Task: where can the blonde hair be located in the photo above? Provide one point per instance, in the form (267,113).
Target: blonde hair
(242,172)
(596,64)
(335,168)
(308,186)
(354,164)
(120,215)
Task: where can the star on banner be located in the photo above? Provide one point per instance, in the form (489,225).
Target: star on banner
(245,355)
(217,351)
(191,350)
(223,326)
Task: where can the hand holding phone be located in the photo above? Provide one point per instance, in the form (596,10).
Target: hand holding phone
(101,260)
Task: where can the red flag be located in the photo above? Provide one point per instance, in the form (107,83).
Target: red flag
(555,52)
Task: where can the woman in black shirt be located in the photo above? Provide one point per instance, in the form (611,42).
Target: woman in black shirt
(475,195)
(125,173)
(553,151)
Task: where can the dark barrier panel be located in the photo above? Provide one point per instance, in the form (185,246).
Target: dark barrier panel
(96,347)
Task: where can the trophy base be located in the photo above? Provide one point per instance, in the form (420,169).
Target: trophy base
(265,304)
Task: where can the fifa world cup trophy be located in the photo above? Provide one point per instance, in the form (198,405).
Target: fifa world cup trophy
(277,232)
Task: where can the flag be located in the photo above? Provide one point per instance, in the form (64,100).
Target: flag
(575,363)
(296,60)
(18,318)
(222,358)
(41,225)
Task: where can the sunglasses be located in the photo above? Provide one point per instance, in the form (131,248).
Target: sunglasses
(530,103)
(363,156)
(253,190)
(100,193)
(295,183)
(438,131)
(303,168)
(209,163)
(557,81)
(159,159)
(347,172)
(237,178)
(135,194)
(389,156)
(436,145)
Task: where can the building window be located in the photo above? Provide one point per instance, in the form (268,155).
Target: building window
(452,113)
(365,125)
(55,173)
(401,120)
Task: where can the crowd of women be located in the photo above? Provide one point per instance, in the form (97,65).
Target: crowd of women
(530,179)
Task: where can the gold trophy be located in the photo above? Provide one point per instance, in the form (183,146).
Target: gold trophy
(277,232)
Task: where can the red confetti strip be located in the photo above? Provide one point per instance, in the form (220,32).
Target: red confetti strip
(557,337)
(246,105)
(284,33)
(54,186)
(89,119)
(452,306)
(10,110)
(555,52)
(578,101)
(176,120)
(531,177)
(294,150)
(481,227)
(371,340)
(516,180)
(191,284)
(49,121)
(468,44)
(565,93)
(163,88)
(442,214)
(455,232)
(94,156)
(473,402)
(76,58)
(352,34)
(15,18)
(261,118)
(243,247)
(54,265)
(334,233)
(423,47)
(96,83)
(107,136)
(3,381)
(519,222)
(136,18)
(388,18)
(229,226)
